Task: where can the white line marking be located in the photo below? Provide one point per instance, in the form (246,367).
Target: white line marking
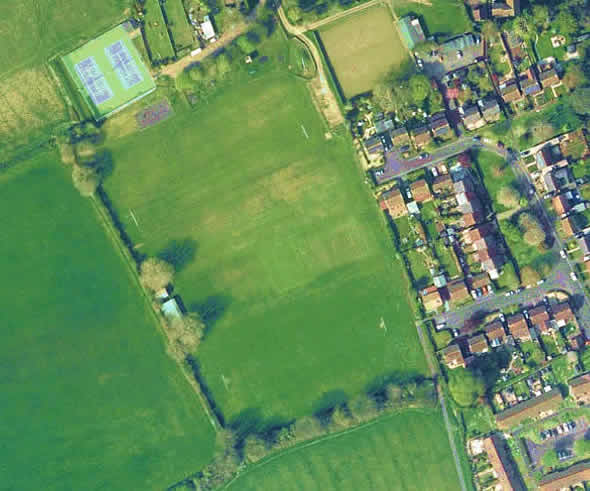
(134,219)
(305,132)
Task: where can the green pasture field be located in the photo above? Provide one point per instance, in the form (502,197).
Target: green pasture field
(96,50)
(497,174)
(90,400)
(279,246)
(363,48)
(31,32)
(406,451)
(443,17)
(156,32)
(182,33)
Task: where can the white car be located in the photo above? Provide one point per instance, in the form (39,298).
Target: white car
(573,276)
(562,253)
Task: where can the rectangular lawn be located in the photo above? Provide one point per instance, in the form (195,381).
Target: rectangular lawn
(363,48)
(404,451)
(442,17)
(278,244)
(90,400)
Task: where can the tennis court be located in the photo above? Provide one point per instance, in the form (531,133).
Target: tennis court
(109,72)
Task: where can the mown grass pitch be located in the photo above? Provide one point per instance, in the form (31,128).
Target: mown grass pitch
(283,250)
(109,72)
(363,48)
(90,400)
(406,451)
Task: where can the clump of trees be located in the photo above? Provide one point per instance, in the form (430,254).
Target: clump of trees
(184,335)
(86,179)
(508,196)
(236,451)
(155,274)
(533,232)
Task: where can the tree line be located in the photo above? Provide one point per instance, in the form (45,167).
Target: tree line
(236,452)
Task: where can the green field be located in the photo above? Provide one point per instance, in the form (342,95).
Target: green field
(283,250)
(442,17)
(121,88)
(182,32)
(407,451)
(90,400)
(363,48)
(156,32)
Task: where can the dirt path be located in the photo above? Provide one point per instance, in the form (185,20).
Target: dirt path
(236,30)
(321,92)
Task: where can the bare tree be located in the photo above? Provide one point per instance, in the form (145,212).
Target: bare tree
(155,274)
(85,179)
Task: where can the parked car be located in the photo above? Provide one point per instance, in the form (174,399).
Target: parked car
(573,276)
(455,333)
(563,253)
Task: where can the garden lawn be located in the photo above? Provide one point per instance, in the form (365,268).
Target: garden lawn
(443,17)
(279,245)
(390,454)
(363,48)
(90,400)
(419,265)
(182,33)
(156,32)
(496,174)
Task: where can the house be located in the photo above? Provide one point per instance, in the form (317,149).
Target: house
(479,12)
(411,31)
(420,191)
(492,266)
(556,481)
(584,243)
(568,226)
(171,310)
(472,118)
(468,203)
(421,136)
(477,233)
(453,357)
(480,281)
(207,29)
(478,344)
(537,407)
(471,219)
(510,91)
(383,126)
(502,466)
(518,327)
(442,183)
(490,109)
(547,156)
(431,298)
(487,242)
(529,84)
(580,389)
(561,204)
(393,202)
(465,185)
(374,145)
(549,78)
(538,316)
(507,8)
(457,291)
(562,313)
(439,124)
(495,333)
(400,137)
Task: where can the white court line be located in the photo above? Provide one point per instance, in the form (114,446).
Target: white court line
(134,219)
(305,132)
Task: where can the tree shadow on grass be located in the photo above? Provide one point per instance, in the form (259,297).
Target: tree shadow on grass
(179,253)
(211,309)
(251,421)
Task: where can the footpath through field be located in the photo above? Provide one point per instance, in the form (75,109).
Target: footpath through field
(345,13)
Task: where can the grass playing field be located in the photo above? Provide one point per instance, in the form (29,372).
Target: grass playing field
(363,48)
(281,247)
(404,451)
(90,400)
(442,17)
(108,72)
